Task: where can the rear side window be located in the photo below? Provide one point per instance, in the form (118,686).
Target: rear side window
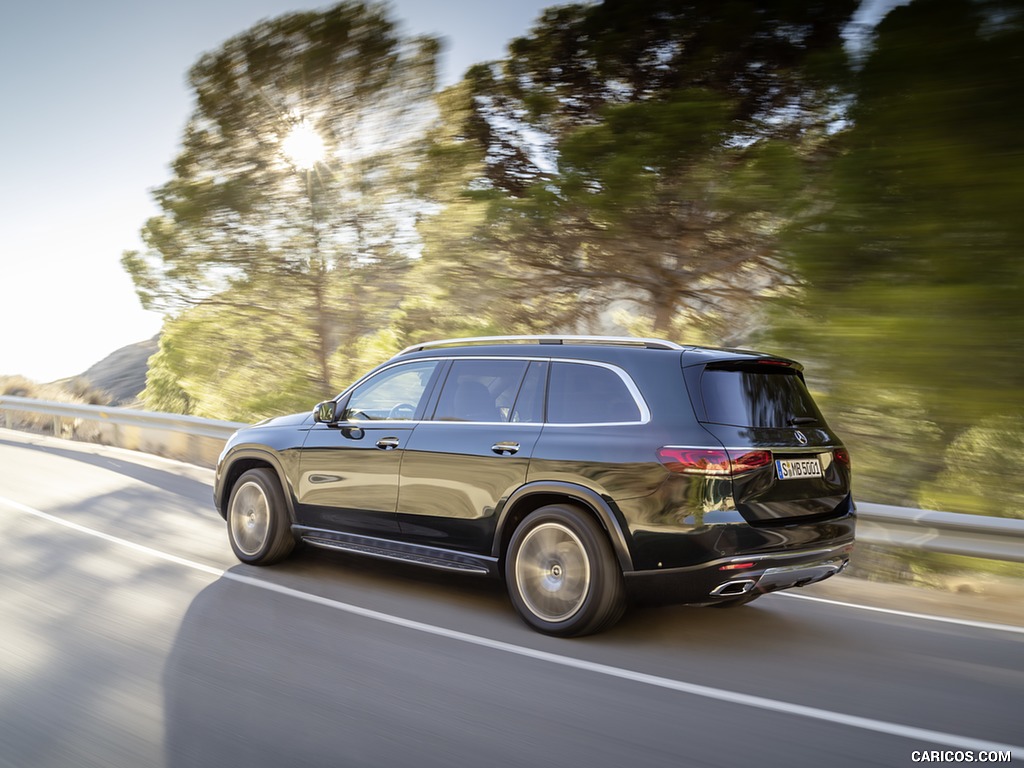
(746,398)
(480,390)
(588,394)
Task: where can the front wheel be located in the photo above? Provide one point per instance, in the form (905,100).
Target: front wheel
(561,573)
(258,526)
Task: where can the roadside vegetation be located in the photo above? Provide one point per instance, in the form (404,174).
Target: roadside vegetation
(74,390)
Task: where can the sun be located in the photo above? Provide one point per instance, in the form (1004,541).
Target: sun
(303,146)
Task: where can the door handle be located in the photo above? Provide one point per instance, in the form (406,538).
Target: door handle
(388,443)
(505,448)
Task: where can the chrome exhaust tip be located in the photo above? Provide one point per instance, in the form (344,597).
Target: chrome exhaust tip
(733,588)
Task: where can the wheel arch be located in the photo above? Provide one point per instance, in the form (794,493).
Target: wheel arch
(533,496)
(241,462)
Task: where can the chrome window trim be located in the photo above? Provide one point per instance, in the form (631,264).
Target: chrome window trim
(351,388)
(634,391)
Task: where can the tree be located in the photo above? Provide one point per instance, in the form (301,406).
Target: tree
(649,149)
(913,257)
(289,215)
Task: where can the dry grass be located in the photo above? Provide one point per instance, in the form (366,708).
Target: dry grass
(67,391)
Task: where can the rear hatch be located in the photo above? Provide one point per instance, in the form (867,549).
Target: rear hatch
(761,404)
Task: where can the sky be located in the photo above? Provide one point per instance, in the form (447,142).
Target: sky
(94,99)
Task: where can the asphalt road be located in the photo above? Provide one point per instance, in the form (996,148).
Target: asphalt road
(129,636)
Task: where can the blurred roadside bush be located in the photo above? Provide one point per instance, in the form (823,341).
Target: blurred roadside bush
(911,315)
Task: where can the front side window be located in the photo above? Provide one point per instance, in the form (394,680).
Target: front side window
(393,394)
(589,394)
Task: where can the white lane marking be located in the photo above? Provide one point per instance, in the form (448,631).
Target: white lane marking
(909,614)
(218,572)
(923,735)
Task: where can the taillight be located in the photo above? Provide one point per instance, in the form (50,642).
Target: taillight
(842,456)
(713,462)
(745,462)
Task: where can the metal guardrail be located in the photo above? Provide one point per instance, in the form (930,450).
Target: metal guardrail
(993,538)
(189,438)
(125,416)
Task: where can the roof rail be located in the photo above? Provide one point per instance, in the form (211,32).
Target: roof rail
(625,341)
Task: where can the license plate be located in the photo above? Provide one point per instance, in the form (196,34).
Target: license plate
(797,469)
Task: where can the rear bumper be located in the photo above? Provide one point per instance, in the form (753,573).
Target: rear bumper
(781,577)
(735,576)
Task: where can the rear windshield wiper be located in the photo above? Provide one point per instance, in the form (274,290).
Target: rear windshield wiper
(796,420)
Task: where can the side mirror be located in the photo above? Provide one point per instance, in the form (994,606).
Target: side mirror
(326,412)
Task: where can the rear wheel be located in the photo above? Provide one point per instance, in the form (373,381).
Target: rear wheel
(561,573)
(258,525)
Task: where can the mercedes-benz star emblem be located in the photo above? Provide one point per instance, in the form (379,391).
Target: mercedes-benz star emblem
(801,437)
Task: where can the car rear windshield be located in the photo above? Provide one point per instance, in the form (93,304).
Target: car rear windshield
(743,397)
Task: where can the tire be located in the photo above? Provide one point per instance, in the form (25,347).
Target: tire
(736,602)
(259,528)
(562,575)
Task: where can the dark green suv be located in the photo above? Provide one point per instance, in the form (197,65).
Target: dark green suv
(584,471)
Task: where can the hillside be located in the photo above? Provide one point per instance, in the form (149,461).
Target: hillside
(122,373)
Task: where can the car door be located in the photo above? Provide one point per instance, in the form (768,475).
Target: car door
(349,470)
(474,450)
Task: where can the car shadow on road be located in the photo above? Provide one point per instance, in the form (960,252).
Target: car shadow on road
(298,673)
(194,490)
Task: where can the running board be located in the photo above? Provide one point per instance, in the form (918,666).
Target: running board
(431,557)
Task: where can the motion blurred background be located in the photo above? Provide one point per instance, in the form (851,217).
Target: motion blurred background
(836,182)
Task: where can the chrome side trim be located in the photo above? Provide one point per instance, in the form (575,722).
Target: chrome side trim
(809,449)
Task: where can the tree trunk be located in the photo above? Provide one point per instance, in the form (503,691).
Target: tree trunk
(664,313)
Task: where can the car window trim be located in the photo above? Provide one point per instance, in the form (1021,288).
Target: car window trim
(432,410)
(634,391)
(429,391)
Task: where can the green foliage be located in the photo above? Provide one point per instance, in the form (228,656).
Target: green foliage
(643,152)
(915,281)
(163,390)
(233,362)
(980,470)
